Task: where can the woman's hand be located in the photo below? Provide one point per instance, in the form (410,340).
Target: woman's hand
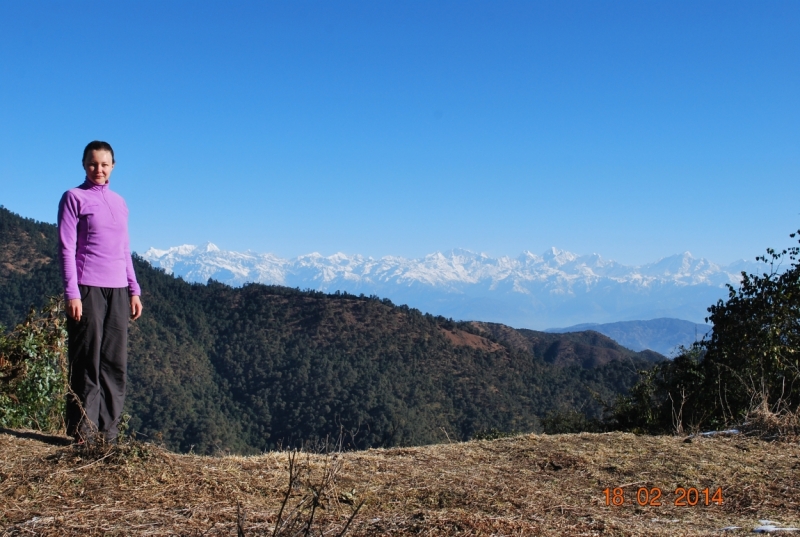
(74,309)
(136,308)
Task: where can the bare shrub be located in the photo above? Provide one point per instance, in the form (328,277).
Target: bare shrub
(773,422)
(307,491)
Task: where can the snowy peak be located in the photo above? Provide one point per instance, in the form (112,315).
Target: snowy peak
(690,270)
(183,250)
(457,266)
(557,257)
(528,290)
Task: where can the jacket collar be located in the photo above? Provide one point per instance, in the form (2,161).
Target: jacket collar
(88,185)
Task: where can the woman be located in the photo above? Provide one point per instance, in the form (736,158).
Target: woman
(101,293)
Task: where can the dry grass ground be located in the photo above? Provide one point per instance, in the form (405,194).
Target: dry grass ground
(526,485)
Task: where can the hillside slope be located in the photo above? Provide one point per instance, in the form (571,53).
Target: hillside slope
(588,349)
(527,485)
(661,335)
(248,369)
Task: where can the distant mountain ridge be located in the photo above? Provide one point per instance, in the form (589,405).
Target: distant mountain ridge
(532,291)
(661,335)
(251,368)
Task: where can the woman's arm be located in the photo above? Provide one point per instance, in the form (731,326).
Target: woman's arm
(75,309)
(136,307)
(68,243)
(67,246)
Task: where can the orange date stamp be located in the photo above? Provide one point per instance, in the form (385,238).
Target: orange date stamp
(654,497)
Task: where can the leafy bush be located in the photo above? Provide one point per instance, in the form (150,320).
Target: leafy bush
(33,371)
(747,369)
(492,434)
(754,350)
(668,398)
(570,421)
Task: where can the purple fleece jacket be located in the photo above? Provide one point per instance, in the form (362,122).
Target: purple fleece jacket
(94,248)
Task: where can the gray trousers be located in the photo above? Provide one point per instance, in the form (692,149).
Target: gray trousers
(98,360)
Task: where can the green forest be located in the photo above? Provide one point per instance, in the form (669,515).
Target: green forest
(219,369)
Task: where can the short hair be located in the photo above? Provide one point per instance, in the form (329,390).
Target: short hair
(97,145)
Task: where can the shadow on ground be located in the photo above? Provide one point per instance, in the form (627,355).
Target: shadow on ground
(52,439)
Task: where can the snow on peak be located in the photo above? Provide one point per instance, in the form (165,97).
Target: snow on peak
(452,270)
(182,250)
(155,253)
(452,278)
(559,257)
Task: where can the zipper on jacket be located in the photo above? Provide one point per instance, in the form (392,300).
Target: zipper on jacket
(108,205)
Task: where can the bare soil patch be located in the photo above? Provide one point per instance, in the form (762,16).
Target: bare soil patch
(525,485)
(465,339)
(20,257)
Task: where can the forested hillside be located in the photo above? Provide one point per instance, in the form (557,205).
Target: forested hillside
(247,369)
(28,267)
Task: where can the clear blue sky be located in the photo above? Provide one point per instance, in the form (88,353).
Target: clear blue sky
(632,129)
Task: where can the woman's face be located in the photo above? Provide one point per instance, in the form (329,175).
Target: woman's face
(98,166)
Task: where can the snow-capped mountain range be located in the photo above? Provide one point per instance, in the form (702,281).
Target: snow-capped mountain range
(556,288)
